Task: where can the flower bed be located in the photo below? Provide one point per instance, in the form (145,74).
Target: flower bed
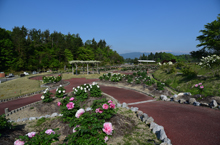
(92,124)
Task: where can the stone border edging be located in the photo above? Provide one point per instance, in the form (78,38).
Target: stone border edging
(30,94)
(213,104)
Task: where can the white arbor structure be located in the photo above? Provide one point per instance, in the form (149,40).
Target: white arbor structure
(84,62)
(139,61)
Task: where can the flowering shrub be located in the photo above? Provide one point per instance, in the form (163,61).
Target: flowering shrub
(137,80)
(160,86)
(104,108)
(87,130)
(60,92)
(209,61)
(51,79)
(200,87)
(95,90)
(68,107)
(46,97)
(45,137)
(80,93)
(149,81)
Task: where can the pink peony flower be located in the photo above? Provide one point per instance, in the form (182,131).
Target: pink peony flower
(75,128)
(107,128)
(71,99)
(49,131)
(110,101)
(201,87)
(200,83)
(112,105)
(196,85)
(79,112)
(98,110)
(31,134)
(105,106)
(59,103)
(106,138)
(70,105)
(19,142)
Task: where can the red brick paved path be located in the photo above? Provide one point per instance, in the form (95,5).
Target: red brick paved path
(183,124)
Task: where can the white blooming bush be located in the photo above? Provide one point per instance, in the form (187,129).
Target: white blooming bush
(46,97)
(60,92)
(80,93)
(95,90)
(209,61)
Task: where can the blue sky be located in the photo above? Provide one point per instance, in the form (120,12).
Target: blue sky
(126,25)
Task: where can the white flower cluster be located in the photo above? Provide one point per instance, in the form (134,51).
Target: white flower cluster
(60,91)
(46,90)
(86,87)
(209,61)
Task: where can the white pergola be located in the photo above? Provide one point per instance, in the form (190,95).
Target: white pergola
(146,61)
(84,62)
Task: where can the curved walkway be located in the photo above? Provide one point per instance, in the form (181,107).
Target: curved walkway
(183,124)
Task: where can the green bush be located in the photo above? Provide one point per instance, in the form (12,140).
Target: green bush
(172,70)
(134,74)
(100,77)
(188,71)
(4,124)
(160,86)
(168,82)
(179,64)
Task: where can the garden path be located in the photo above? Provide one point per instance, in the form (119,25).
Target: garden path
(183,124)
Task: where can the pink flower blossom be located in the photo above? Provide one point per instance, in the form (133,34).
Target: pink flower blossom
(59,103)
(75,128)
(106,138)
(107,128)
(105,106)
(201,87)
(110,101)
(31,134)
(196,85)
(98,110)
(49,131)
(79,112)
(19,142)
(200,83)
(71,99)
(64,97)
(112,105)
(70,105)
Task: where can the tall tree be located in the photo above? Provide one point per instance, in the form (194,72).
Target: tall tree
(207,39)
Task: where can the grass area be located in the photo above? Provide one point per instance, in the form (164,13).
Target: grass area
(89,76)
(23,85)
(182,83)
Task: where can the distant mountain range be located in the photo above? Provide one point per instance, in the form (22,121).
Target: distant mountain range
(132,55)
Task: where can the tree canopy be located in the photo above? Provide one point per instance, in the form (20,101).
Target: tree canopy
(208,41)
(24,49)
